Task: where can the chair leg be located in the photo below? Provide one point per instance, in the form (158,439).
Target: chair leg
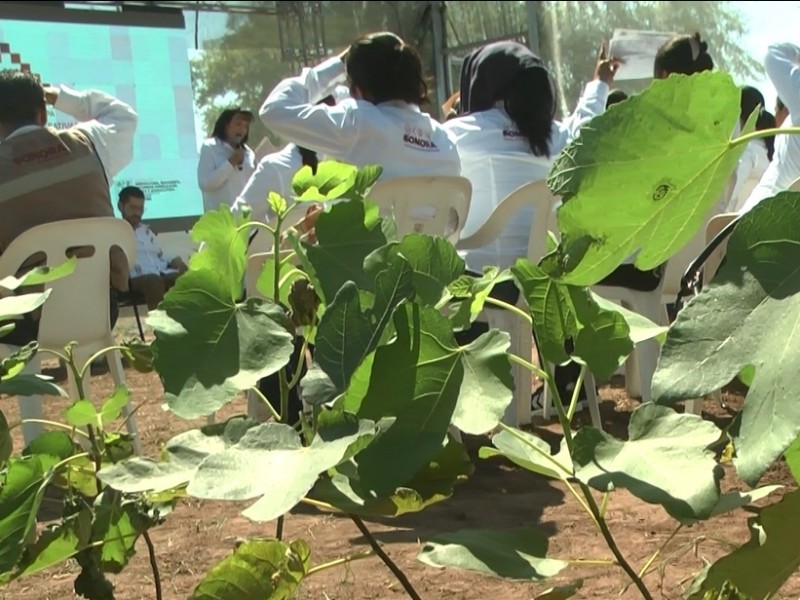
(138,320)
(590,385)
(118,376)
(30,407)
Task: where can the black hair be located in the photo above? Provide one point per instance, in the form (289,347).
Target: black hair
(225,118)
(530,101)
(684,54)
(130,191)
(615,97)
(384,68)
(752,100)
(21,98)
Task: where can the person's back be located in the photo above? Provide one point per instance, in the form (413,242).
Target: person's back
(48,175)
(509,138)
(783,68)
(382,122)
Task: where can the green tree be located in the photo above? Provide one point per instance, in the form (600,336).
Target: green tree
(570,33)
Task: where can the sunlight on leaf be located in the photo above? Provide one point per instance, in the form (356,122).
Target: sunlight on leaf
(518,554)
(14,306)
(530,452)
(665,461)
(664,155)
(223,251)
(40,275)
(332,181)
(746,319)
(287,469)
(435,264)
(472,293)
(792,456)
(57,545)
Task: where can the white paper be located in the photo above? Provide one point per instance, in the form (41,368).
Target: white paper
(638,49)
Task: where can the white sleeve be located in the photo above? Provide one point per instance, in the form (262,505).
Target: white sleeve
(108,122)
(591,104)
(747,163)
(267,178)
(209,176)
(783,68)
(291,110)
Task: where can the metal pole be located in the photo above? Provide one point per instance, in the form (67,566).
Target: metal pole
(439,52)
(533,26)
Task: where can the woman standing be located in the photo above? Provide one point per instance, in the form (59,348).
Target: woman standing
(226,161)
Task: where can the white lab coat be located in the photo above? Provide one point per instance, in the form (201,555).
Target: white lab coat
(221,182)
(396,135)
(752,165)
(273,174)
(109,123)
(497,160)
(783,68)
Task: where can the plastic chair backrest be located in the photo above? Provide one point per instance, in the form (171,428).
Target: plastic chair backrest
(536,194)
(78,307)
(680,260)
(431,205)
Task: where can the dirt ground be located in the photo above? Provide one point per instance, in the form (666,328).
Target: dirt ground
(499,496)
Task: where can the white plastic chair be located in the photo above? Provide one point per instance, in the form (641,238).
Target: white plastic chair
(431,205)
(536,195)
(78,307)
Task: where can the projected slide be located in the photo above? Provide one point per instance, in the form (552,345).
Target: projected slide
(147,67)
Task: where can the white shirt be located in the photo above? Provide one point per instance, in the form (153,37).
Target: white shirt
(498,160)
(273,174)
(150,258)
(783,68)
(221,182)
(109,123)
(752,166)
(395,135)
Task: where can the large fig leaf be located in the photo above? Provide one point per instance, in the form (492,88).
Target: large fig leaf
(209,346)
(665,461)
(665,155)
(287,469)
(746,319)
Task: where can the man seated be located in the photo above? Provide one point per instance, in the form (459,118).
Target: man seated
(49,175)
(153,274)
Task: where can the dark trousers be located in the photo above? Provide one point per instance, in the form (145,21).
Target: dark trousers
(26,329)
(271,386)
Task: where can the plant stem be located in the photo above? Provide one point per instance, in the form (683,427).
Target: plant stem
(266,402)
(320,505)
(528,365)
(97,355)
(594,510)
(279,529)
(299,368)
(612,545)
(763,133)
(604,504)
(573,402)
(401,577)
(339,562)
(510,308)
(153,565)
(53,424)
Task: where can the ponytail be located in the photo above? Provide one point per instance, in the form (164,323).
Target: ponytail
(766,120)
(530,102)
(683,54)
(309,158)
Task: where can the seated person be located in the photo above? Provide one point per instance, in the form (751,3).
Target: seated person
(49,175)
(153,274)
